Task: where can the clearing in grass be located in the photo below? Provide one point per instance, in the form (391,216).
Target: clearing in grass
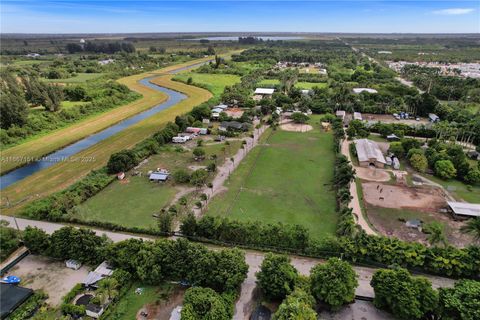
(286,179)
(298,85)
(132,202)
(215,83)
(147,299)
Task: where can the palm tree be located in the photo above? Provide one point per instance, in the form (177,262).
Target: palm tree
(107,289)
(435,234)
(472,227)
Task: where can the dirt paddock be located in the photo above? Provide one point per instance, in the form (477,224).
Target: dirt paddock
(49,275)
(392,196)
(296,127)
(162,310)
(372,174)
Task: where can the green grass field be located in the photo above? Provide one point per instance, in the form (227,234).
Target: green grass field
(133,201)
(458,189)
(79,78)
(299,85)
(287,179)
(131,302)
(215,83)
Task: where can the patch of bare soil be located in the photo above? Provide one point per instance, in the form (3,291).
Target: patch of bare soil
(395,227)
(372,174)
(295,127)
(161,310)
(393,196)
(49,275)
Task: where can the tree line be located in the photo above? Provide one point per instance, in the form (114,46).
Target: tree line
(101,47)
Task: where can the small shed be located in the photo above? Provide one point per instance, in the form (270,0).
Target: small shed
(360,90)
(73,264)
(179,139)
(159,176)
(392,137)
(340,114)
(357,116)
(432,117)
(414,223)
(121,175)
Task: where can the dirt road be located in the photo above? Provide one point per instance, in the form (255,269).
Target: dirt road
(224,171)
(355,202)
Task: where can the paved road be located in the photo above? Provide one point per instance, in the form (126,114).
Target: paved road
(355,202)
(253,259)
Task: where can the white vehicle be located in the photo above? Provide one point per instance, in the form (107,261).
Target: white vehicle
(179,139)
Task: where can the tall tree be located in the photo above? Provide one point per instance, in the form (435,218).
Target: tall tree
(405,296)
(334,282)
(277,276)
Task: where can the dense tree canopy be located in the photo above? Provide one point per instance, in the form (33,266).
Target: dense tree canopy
(277,276)
(405,296)
(334,282)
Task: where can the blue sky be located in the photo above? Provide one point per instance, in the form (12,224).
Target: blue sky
(202,16)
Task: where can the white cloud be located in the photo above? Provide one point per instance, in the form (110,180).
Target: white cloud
(454,11)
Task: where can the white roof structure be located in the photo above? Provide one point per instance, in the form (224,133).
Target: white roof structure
(357,116)
(217,110)
(340,113)
(101,272)
(221,106)
(465,209)
(159,176)
(368,150)
(264,91)
(360,90)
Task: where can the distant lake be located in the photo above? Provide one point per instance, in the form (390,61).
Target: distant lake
(265,38)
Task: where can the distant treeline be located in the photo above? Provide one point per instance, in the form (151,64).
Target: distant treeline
(100,47)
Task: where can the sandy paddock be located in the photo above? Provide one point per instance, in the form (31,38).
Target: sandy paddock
(372,174)
(50,275)
(296,127)
(391,196)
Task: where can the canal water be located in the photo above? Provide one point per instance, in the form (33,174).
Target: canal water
(67,153)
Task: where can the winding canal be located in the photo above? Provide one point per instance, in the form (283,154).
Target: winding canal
(68,152)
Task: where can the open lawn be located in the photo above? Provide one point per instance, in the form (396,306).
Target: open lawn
(458,189)
(133,201)
(79,78)
(391,222)
(61,175)
(285,179)
(299,85)
(131,303)
(215,83)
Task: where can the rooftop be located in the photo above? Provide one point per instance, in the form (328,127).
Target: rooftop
(264,91)
(367,150)
(465,209)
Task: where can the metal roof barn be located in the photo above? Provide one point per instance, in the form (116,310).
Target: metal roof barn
(465,209)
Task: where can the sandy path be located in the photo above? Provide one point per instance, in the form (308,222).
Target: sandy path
(355,202)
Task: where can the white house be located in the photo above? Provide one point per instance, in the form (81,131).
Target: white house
(357,116)
(73,264)
(360,90)
(261,93)
(180,139)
